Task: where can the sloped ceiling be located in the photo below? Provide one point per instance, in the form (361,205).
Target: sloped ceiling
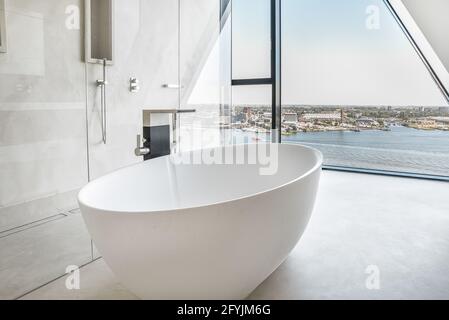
(432,17)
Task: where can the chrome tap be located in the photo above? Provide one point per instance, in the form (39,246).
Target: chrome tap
(141,150)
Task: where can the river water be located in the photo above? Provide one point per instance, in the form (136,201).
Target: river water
(401,149)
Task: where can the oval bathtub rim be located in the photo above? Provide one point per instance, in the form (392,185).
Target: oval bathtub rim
(317,166)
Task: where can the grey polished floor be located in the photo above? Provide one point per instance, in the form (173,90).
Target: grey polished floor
(36,253)
(395,226)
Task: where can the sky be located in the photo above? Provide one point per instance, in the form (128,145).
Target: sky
(334,52)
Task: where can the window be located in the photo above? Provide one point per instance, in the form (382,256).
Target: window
(254,80)
(251,39)
(354,87)
(353,84)
(252,113)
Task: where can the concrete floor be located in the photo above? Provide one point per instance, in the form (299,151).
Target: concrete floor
(396,226)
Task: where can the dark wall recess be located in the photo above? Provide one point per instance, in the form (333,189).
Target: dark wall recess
(157,138)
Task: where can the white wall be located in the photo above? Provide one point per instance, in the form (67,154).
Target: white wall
(43,154)
(146,47)
(50,133)
(46,92)
(42,113)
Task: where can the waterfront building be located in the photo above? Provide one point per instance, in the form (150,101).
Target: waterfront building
(290,118)
(366,122)
(321,117)
(441,120)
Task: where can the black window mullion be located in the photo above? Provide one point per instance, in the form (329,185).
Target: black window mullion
(251,82)
(273,66)
(274,80)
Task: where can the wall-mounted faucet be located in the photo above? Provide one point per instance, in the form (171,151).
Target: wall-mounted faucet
(140,149)
(157,132)
(102,84)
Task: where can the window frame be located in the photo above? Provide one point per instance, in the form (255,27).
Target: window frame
(275,78)
(275,82)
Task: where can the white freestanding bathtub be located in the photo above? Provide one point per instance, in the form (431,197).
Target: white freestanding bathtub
(171,230)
